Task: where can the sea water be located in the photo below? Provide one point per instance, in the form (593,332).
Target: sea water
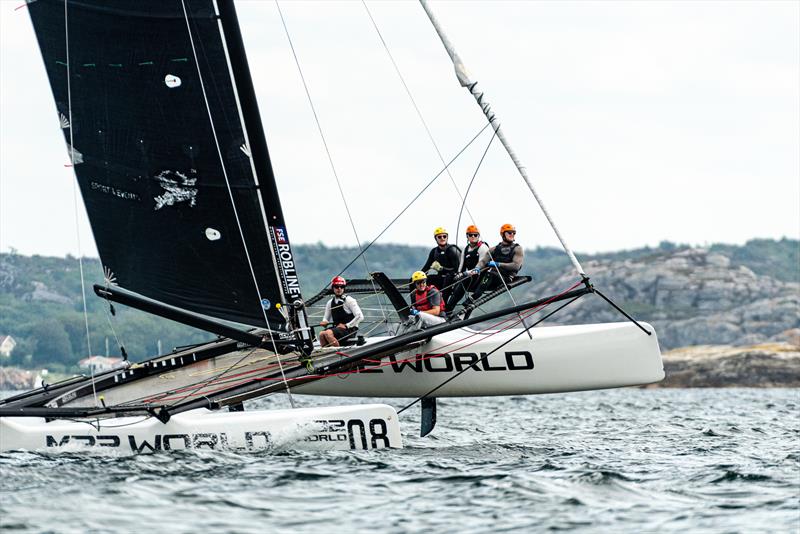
(628,460)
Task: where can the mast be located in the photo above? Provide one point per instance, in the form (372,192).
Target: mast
(472,86)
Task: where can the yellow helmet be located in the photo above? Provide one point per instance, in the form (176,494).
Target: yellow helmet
(418,275)
(439,231)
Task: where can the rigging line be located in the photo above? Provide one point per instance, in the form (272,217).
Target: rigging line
(422,119)
(438,174)
(480,98)
(75,203)
(327,150)
(474,175)
(111,325)
(210,381)
(485,356)
(469,187)
(230,193)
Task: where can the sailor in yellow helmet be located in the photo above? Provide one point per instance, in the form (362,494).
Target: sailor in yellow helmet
(443,259)
(427,304)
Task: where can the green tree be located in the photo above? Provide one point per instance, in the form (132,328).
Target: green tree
(52,343)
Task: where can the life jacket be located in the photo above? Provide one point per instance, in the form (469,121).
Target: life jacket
(440,255)
(504,253)
(338,313)
(421,299)
(471,257)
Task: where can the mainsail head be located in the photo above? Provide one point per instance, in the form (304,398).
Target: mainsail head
(163,131)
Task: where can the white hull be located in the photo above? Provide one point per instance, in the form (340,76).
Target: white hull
(369,426)
(557,359)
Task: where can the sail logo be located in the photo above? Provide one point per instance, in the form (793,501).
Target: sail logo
(177,188)
(291,283)
(355,433)
(285,263)
(516,360)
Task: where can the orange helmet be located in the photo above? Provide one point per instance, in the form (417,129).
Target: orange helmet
(472,229)
(507,228)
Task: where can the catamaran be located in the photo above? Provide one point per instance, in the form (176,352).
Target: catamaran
(159,113)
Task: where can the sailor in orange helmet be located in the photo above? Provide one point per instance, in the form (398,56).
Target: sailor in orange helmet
(504,260)
(475,251)
(342,315)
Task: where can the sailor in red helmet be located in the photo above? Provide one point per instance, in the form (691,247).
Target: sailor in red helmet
(504,261)
(342,315)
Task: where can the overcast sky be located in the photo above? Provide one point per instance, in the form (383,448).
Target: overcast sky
(638,122)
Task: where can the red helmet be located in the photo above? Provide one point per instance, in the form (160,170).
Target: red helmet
(338,281)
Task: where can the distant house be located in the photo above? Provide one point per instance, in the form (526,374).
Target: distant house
(100,363)
(7,345)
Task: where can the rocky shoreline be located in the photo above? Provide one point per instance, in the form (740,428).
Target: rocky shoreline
(713,366)
(704,366)
(16,379)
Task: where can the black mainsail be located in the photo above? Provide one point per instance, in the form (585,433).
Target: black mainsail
(157,107)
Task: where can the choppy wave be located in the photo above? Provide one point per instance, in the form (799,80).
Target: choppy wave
(624,460)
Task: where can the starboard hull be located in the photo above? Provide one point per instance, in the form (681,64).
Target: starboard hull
(361,427)
(557,359)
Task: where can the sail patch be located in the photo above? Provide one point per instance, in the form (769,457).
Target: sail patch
(64,121)
(74,154)
(213,234)
(172,81)
(177,188)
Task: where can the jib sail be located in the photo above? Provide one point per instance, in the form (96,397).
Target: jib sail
(157,107)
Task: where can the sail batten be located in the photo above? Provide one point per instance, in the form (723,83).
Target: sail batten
(163,181)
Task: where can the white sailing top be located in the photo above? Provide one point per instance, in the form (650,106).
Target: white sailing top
(350,306)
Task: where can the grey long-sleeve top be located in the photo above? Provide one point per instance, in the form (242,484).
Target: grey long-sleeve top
(512,267)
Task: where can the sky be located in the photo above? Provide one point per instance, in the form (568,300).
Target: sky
(637,121)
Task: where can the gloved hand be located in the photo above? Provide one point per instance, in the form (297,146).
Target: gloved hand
(459,276)
(436,266)
(474,271)
(414,311)
(492,263)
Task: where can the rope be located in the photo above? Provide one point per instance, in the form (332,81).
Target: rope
(233,380)
(474,175)
(463,197)
(75,205)
(485,356)
(328,153)
(230,192)
(472,87)
(432,180)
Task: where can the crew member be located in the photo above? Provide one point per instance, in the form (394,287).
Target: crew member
(475,251)
(504,261)
(444,259)
(342,315)
(427,304)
